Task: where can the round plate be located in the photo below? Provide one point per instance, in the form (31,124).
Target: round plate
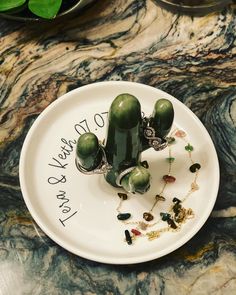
(79,211)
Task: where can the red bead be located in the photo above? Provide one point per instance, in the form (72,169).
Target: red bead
(135,232)
(169,178)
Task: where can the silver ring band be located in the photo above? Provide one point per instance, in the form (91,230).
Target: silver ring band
(102,168)
(123,173)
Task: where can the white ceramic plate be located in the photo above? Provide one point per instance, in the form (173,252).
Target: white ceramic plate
(79,212)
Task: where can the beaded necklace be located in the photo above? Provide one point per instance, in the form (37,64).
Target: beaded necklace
(176,215)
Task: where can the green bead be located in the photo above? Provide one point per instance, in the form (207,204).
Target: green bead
(165,216)
(195,167)
(189,147)
(123,216)
(170,159)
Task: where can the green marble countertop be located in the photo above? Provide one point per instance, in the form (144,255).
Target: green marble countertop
(192,58)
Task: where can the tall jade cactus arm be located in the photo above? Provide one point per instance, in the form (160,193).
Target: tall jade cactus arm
(127,137)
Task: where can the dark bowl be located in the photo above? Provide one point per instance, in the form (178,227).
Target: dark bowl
(193,7)
(29,17)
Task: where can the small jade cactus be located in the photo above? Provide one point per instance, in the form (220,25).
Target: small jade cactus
(128,135)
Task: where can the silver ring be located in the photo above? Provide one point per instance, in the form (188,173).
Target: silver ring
(156,142)
(102,168)
(123,173)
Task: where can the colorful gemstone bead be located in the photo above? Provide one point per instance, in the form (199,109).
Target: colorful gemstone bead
(170,159)
(160,198)
(170,140)
(148,216)
(145,164)
(143,225)
(169,178)
(123,196)
(128,237)
(176,200)
(189,147)
(123,216)
(194,186)
(153,235)
(180,133)
(181,216)
(136,232)
(177,208)
(165,216)
(190,213)
(171,223)
(195,167)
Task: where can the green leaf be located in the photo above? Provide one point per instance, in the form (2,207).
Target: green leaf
(9,4)
(45,8)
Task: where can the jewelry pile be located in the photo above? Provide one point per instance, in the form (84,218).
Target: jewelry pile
(176,215)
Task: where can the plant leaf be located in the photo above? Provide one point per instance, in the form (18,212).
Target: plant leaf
(9,4)
(45,8)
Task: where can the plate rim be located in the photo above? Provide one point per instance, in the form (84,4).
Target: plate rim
(92,256)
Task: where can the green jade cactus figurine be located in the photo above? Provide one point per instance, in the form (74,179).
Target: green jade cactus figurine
(128,135)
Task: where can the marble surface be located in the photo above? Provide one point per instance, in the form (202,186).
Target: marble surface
(192,58)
